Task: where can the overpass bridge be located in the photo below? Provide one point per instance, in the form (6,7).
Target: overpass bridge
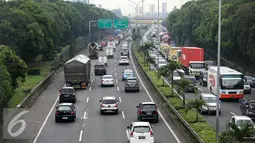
(145,21)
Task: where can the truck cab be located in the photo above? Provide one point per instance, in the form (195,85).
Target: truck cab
(195,67)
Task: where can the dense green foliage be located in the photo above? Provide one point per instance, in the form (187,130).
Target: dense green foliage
(32,28)
(196,24)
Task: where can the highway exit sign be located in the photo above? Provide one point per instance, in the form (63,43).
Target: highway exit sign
(120,23)
(104,23)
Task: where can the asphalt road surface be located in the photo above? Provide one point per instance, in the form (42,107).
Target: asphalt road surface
(90,126)
(229,108)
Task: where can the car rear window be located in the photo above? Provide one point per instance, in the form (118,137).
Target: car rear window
(129,74)
(109,101)
(141,129)
(99,66)
(64,108)
(131,80)
(67,91)
(148,107)
(107,77)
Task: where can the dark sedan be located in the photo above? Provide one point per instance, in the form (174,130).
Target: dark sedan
(65,112)
(250,80)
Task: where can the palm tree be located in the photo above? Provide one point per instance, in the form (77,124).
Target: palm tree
(195,104)
(182,84)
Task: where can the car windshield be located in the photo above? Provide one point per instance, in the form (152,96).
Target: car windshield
(176,73)
(193,80)
(67,91)
(233,83)
(107,77)
(148,107)
(99,66)
(64,108)
(197,65)
(246,83)
(209,99)
(244,122)
(141,129)
(109,101)
(131,80)
(123,57)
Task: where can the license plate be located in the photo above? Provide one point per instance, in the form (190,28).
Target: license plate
(64,118)
(67,95)
(149,113)
(141,137)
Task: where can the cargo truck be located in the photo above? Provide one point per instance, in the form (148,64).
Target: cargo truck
(109,52)
(192,59)
(174,54)
(93,50)
(77,71)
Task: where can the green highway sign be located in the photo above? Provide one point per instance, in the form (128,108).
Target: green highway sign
(104,23)
(120,23)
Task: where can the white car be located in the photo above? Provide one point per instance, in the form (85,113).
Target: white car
(210,103)
(109,104)
(140,132)
(240,121)
(123,60)
(107,80)
(177,76)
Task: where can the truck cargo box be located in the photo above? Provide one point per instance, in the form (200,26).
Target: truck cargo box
(191,54)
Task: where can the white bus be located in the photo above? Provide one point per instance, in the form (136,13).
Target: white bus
(231,82)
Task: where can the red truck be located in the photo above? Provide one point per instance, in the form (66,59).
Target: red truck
(192,58)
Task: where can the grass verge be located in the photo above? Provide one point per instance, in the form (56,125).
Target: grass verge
(204,130)
(32,80)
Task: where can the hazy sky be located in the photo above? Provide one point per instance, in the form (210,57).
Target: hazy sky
(127,9)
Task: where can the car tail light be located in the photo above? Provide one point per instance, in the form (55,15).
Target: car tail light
(116,105)
(102,106)
(151,132)
(74,93)
(141,111)
(72,113)
(131,134)
(56,113)
(157,111)
(102,81)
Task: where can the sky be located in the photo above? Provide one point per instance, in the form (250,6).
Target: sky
(126,9)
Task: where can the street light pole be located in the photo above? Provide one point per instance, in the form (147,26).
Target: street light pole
(218,72)
(158,39)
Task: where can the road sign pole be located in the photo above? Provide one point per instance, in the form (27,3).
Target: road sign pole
(89,30)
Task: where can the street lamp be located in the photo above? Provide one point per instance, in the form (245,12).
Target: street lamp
(218,72)
(158,39)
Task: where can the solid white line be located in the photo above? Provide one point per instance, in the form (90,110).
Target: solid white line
(116,80)
(118,88)
(123,115)
(115,74)
(127,134)
(89,88)
(80,138)
(92,80)
(87,100)
(45,120)
(168,126)
(119,99)
(233,113)
(200,89)
(85,114)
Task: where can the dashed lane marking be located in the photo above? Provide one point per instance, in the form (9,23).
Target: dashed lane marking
(80,137)
(118,88)
(87,100)
(233,113)
(119,99)
(89,88)
(123,115)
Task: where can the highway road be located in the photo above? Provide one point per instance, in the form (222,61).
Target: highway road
(229,107)
(90,126)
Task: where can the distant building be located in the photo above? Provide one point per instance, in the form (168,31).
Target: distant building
(152,9)
(164,9)
(100,6)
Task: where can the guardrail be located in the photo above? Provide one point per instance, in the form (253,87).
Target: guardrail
(186,124)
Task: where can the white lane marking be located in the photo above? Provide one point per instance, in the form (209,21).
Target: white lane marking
(127,134)
(85,115)
(92,80)
(200,89)
(45,120)
(123,115)
(118,88)
(80,137)
(168,126)
(119,99)
(115,69)
(87,100)
(116,80)
(115,74)
(233,113)
(114,61)
(89,88)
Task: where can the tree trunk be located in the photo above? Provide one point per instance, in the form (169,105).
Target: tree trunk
(183,101)
(172,79)
(197,116)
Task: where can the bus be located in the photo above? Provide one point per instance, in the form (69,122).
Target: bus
(231,82)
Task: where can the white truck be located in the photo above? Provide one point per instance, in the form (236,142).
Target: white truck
(111,44)
(231,82)
(109,52)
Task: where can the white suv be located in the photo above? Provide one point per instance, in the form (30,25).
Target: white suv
(109,104)
(123,60)
(140,132)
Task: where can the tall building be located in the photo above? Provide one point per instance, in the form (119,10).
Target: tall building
(164,8)
(152,9)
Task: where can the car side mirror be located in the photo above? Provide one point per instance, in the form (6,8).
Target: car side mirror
(56,107)
(100,100)
(137,106)
(128,127)
(100,77)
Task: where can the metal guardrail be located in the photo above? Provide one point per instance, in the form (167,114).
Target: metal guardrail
(186,124)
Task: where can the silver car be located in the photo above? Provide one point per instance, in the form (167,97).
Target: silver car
(109,104)
(210,103)
(107,80)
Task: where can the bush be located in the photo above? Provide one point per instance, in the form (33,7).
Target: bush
(33,71)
